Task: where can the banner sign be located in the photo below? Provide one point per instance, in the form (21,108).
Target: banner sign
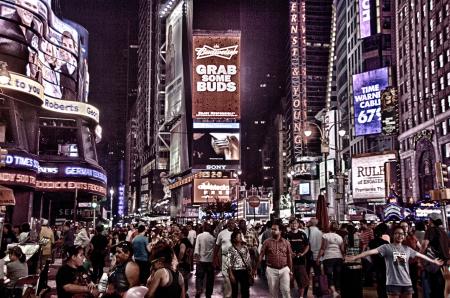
(365,18)
(212,190)
(21,160)
(215,74)
(367,88)
(17,178)
(121,200)
(25,85)
(70,170)
(71,107)
(297,16)
(389,111)
(368,176)
(56,185)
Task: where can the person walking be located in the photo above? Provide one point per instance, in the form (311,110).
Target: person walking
(435,244)
(141,248)
(300,247)
(99,243)
(396,257)
(184,251)
(223,243)
(47,238)
(238,260)
(278,254)
(203,253)
(332,250)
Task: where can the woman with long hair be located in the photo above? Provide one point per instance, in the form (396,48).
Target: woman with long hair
(164,280)
(238,265)
(18,267)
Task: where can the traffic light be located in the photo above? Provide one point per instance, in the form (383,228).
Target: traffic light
(441,174)
(94,202)
(3,154)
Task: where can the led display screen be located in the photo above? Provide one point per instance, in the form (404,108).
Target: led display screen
(367,88)
(215,75)
(212,190)
(35,43)
(215,147)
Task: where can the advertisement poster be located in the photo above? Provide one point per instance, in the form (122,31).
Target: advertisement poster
(389,111)
(212,190)
(367,88)
(368,176)
(216,147)
(174,64)
(37,44)
(215,74)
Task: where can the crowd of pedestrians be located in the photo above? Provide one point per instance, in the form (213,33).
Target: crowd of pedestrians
(158,259)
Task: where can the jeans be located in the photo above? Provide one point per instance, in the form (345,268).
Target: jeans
(204,269)
(333,269)
(279,279)
(144,271)
(241,278)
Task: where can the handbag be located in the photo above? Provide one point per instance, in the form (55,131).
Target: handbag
(251,279)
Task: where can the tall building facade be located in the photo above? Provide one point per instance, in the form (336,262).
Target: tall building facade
(46,122)
(423,69)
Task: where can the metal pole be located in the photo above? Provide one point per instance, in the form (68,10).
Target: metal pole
(95,209)
(75,203)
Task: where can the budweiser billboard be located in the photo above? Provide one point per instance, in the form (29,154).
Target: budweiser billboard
(212,190)
(215,75)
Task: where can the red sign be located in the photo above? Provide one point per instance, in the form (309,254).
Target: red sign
(254,201)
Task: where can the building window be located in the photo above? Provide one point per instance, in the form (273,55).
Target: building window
(431,25)
(448,78)
(433,69)
(444,128)
(441,83)
(443,105)
(441,60)
(58,137)
(432,46)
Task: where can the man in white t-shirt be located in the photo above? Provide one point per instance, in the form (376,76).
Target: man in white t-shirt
(192,234)
(223,243)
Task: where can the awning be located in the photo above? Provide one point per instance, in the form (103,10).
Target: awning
(7,197)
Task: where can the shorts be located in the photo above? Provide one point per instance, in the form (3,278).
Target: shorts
(300,275)
(398,290)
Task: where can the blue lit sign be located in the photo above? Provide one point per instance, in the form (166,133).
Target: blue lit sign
(121,200)
(367,88)
(16,161)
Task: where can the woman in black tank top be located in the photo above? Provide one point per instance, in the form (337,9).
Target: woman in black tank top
(164,280)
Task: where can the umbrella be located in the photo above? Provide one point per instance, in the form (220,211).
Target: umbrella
(322,213)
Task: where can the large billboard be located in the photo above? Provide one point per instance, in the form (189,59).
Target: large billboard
(215,76)
(368,176)
(212,190)
(174,106)
(367,88)
(216,149)
(35,43)
(389,111)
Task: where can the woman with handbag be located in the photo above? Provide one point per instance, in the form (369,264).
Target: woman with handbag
(239,269)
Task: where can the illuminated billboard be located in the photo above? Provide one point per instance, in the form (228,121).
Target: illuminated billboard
(368,176)
(216,148)
(367,88)
(212,190)
(365,18)
(215,76)
(389,111)
(174,64)
(35,43)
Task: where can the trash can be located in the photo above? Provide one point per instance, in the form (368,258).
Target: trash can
(351,281)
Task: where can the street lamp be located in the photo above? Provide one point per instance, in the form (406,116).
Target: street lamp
(111,193)
(325,149)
